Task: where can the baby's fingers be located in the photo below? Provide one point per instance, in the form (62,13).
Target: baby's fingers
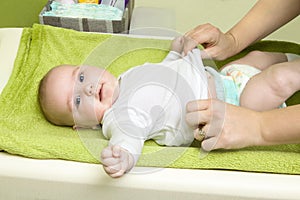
(106,153)
(118,174)
(110,161)
(111,169)
(116,151)
(114,170)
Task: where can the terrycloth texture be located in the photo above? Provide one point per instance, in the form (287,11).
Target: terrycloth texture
(24,131)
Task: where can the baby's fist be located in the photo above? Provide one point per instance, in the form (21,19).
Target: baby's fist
(116,160)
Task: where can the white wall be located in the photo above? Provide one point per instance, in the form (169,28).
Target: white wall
(221,13)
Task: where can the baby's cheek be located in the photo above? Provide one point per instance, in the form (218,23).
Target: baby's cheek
(111,89)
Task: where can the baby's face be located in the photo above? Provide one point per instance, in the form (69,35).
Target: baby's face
(84,93)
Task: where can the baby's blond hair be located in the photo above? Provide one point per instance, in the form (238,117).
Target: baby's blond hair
(50,115)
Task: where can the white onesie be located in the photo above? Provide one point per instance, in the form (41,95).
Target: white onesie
(152,101)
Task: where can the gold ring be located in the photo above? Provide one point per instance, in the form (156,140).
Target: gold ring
(201,134)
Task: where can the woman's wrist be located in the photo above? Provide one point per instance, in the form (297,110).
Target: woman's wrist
(266,130)
(255,129)
(234,46)
(262,130)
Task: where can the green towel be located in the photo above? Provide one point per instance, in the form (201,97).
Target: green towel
(24,131)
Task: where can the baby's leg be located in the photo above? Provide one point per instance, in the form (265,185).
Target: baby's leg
(270,88)
(260,60)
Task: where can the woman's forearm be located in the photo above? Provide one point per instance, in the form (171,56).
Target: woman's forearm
(281,126)
(265,17)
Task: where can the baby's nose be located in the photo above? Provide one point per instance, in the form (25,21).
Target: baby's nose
(89,89)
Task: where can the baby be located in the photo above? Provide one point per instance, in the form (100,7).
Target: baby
(145,102)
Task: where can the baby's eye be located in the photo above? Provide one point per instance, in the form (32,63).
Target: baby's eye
(77,101)
(81,77)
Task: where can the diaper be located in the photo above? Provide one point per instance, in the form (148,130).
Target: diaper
(84,10)
(240,74)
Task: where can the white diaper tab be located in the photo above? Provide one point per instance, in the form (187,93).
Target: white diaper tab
(291,56)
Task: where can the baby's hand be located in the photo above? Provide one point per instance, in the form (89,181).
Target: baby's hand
(116,161)
(177,44)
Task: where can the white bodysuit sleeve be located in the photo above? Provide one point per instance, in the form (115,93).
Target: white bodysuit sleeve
(172,55)
(127,130)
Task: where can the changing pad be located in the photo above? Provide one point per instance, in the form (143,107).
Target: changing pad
(24,130)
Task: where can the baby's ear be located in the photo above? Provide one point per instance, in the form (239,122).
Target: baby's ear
(95,127)
(75,127)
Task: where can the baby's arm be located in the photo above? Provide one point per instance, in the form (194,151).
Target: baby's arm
(126,141)
(116,161)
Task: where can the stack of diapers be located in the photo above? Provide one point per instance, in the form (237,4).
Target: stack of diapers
(86,10)
(24,130)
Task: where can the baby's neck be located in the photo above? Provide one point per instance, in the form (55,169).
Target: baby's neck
(211,86)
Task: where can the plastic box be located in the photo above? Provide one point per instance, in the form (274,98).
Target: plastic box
(87,24)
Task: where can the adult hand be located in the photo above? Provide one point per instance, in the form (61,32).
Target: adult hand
(225,125)
(217,45)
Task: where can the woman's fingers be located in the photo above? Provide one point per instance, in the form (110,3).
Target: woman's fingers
(198,118)
(206,114)
(205,34)
(210,144)
(198,113)
(207,117)
(230,127)
(198,105)
(218,45)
